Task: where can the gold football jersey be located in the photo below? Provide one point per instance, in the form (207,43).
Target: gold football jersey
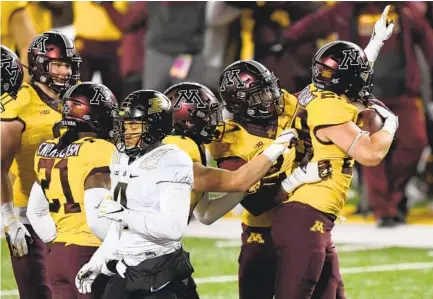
(38,118)
(192,149)
(240,142)
(62,175)
(325,108)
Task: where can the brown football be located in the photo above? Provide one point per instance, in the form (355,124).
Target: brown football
(369,120)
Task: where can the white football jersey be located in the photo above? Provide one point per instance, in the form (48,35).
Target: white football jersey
(135,186)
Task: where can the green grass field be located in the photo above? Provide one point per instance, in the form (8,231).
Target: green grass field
(368,273)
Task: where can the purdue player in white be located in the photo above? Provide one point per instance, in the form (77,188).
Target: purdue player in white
(151,188)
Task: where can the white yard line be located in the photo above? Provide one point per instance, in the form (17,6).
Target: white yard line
(9,293)
(340,248)
(344,271)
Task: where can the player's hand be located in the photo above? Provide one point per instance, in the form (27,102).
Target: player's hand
(112,210)
(287,139)
(15,230)
(383,27)
(16,234)
(87,275)
(391,120)
(311,173)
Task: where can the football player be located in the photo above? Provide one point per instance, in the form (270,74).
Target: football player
(53,65)
(151,189)
(308,263)
(261,111)
(72,179)
(198,121)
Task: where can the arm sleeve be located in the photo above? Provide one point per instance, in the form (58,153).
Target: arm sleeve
(171,220)
(92,199)
(209,210)
(174,188)
(39,215)
(105,251)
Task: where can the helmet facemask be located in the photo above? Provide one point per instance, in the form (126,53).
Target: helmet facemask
(208,125)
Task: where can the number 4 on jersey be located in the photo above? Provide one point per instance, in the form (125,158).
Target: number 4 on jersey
(120,190)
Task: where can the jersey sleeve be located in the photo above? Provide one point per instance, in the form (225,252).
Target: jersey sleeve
(176,167)
(99,154)
(334,111)
(12,109)
(290,106)
(185,144)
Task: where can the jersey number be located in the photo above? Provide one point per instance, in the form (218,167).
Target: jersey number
(121,190)
(70,206)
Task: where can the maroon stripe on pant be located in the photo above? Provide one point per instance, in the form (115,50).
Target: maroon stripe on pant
(308,265)
(257,263)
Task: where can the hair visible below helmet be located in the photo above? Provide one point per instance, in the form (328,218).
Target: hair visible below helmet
(250,90)
(49,47)
(342,67)
(154,110)
(90,107)
(197,112)
(12,73)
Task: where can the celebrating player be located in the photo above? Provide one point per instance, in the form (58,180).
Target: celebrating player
(53,65)
(72,179)
(308,263)
(151,188)
(261,111)
(198,121)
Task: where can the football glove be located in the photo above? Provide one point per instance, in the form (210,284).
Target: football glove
(381,32)
(391,120)
(287,139)
(313,172)
(113,210)
(15,231)
(88,273)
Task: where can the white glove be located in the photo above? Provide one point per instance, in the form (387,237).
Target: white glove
(111,209)
(15,230)
(88,273)
(313,172)
(381,32)
(287,139)
(391,120)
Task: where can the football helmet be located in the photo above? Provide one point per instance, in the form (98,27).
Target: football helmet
(52,47)
(90,107)
(250,90)
(342,67)
(197,112)
(145,117)
(11,73)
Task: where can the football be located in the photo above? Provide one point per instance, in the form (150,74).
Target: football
(369,120)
